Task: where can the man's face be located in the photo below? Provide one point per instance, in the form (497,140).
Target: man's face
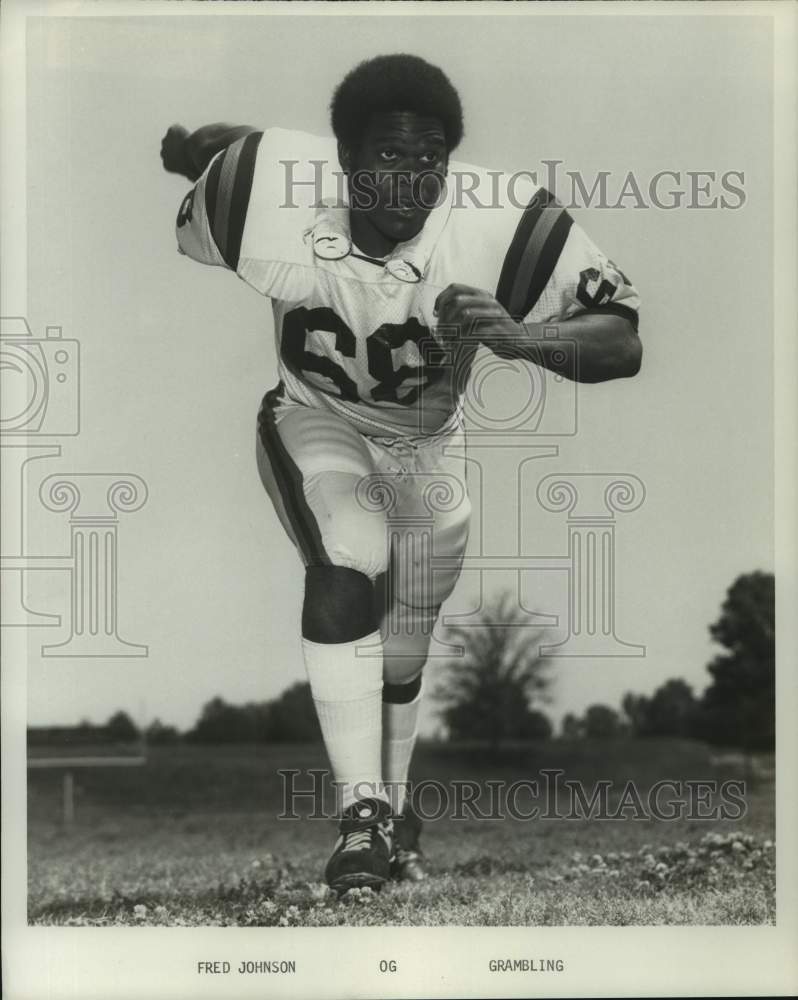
(396,175)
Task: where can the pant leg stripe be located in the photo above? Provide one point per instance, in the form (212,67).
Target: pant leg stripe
(289,481)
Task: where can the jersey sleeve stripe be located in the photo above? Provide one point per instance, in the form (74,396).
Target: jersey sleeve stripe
(212,191)
(227,198)
(239,201)
(546,262)
(512,261)
(221,217)
(530,258)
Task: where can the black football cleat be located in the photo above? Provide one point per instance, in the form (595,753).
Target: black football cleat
(363,851)
(408,859)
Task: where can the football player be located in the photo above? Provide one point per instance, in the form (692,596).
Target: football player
(382,288)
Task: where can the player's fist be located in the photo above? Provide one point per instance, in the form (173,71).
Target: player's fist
(463,311)
(174,153)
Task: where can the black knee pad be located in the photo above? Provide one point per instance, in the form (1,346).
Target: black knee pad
(338,606)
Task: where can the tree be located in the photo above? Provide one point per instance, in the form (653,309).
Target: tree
(85,733)
(537,726)
(292,717)
(636,708)
(157,734)
(739,706)
(120,728)
(670,711)
(601,723)
(220,722)
(572,727)
(492,692)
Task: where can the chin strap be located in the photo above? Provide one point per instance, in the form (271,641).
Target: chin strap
(331,240)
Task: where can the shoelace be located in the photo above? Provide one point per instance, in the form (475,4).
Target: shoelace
(358,840)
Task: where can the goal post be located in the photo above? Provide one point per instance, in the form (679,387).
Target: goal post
(72,763)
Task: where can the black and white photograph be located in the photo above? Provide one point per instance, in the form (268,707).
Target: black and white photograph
(399,488)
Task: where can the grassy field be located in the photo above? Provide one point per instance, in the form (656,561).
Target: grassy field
(191,839)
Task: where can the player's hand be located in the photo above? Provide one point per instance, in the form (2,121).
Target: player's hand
(473,313)
(174,153)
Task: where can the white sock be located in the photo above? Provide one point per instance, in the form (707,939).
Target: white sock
(399,729)
(347,693)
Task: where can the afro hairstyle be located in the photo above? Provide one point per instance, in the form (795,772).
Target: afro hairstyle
(399,82)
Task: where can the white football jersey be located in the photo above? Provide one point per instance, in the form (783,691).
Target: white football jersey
(356,335)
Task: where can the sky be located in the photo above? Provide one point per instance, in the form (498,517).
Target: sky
(174,358)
